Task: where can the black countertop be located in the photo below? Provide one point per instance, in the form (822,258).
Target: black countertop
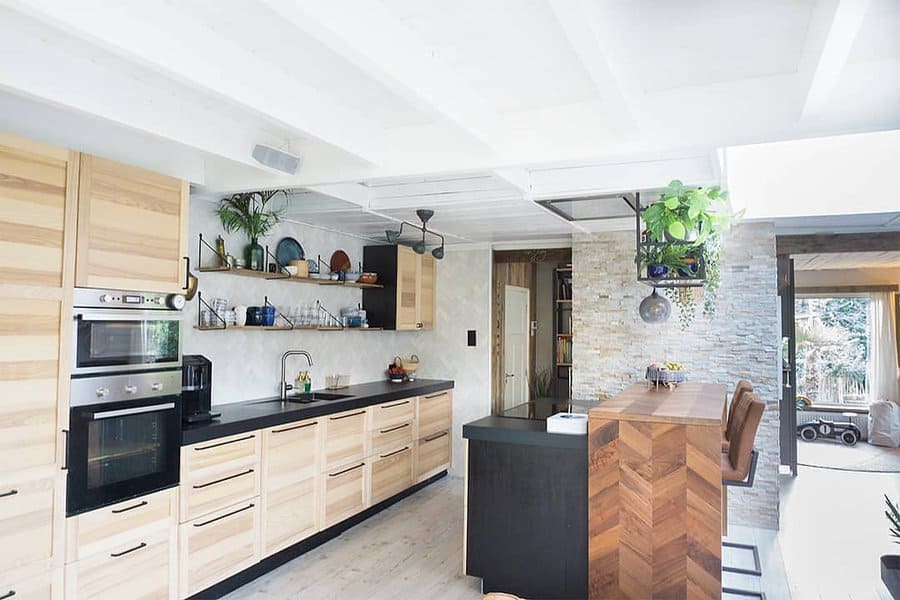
(240,417)
(512,430)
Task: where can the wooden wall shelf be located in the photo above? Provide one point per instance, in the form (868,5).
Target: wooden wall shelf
(284,328)
(282,277)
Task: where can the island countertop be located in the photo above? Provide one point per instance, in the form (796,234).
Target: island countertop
(690,403)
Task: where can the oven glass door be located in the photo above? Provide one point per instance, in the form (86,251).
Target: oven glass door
(110,340)
(122,449)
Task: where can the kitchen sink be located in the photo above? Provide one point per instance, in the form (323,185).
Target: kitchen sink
(308,397)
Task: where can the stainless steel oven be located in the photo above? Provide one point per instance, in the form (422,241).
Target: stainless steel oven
(124,437)
(117,332)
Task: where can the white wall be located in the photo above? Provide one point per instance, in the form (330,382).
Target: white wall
(246,363)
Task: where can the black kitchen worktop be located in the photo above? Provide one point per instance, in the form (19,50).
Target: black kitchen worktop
(512,430)
(240,417)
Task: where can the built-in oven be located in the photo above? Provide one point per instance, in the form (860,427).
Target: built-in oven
(124,437)
(118,332)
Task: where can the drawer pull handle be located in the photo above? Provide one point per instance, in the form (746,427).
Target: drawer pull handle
(361,412)
(294,427)
(6,494)
(126,509)
(393,428)
(203,485)
(395,405)
(234,512)
(436,395)
(395,452)
(130,550)
(246,437)
(8,594)
(346,470)
(435,436)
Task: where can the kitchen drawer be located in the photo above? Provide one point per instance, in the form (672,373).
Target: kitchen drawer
(216,546)
(217,488)
(109,527)
(26,521)
(344,438)
(139,568)
(45,586)
(344,493)
(393,413)
(435,412)
(243,446)
(290,453)
(390,437)
(392,472)
(289,514)
(432,455)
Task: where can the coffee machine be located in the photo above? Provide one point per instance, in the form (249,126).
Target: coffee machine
(196,389)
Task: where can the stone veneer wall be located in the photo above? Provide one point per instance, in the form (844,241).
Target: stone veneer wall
(612,345)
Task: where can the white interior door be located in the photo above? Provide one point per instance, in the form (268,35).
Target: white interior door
(515,346)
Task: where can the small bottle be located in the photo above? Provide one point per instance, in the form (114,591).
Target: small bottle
(298,382)
(220,250)
(307,382)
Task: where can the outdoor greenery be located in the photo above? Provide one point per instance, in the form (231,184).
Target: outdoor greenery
(832,341)
(246,211)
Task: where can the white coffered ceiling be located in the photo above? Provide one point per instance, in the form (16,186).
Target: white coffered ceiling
(474,108)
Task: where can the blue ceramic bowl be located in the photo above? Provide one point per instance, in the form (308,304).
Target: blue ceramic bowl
(657,271)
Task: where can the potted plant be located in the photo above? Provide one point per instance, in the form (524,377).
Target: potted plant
(890,563)
(662,259)
(246,211)
(687,214)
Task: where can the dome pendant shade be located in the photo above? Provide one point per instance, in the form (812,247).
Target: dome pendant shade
(654,308)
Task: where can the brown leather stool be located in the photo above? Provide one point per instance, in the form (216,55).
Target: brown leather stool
(738,404)
(739,470)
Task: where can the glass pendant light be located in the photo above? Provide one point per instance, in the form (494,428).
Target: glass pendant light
(654,308)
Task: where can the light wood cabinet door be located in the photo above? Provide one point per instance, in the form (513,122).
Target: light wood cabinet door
(432,455)
(344,438)
(427,291)
(408,265)
(344,493)
(435,412)
(393,413)
(216,546)
(392,472)
(141,568)
(391,436)
(202,455)
(109,527)
(46,586)
(216,488)
(26,521)
(290,481)
(29,381)
(132,228)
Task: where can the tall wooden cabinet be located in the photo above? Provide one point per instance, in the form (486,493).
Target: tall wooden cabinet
(132,228)
(407,301)
(37,203)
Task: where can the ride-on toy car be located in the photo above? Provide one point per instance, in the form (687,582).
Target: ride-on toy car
(846,431)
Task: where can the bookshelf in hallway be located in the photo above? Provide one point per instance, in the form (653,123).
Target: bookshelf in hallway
(562,331)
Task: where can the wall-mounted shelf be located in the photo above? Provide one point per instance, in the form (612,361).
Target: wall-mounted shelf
(284,328)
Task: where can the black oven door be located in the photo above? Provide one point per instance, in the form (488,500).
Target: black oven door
(119,450)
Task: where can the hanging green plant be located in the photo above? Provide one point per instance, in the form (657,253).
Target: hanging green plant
(686,300)
(684,213)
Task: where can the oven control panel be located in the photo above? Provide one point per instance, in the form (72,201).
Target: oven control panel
(102,389)
(89,298)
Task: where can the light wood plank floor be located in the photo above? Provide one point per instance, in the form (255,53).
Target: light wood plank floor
(411,550)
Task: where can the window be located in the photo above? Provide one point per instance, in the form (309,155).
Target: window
(833,349)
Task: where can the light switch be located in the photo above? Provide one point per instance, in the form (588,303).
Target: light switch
(471,336)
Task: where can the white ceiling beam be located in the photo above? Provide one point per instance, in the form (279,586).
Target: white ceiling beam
(354,193)
(368,35)
(833,29)
(169,41)
(581,27)
(520,179)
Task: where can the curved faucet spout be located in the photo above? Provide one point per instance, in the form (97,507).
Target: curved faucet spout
(285,386)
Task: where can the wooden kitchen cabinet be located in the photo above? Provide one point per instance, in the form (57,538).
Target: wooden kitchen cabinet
(290,482)
(219,473)
(435,412)
(44,586)
(391,473)
(142,567)
(27,508)
(432,455)
(407,300)
(393,413)
(132,228)
(344,438)
(218,545)
(343,492)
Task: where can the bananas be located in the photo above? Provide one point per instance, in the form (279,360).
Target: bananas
(673,366)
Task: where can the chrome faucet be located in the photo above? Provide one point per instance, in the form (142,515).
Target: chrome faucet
(285,386)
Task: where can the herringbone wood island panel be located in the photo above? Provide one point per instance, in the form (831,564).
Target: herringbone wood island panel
(655,493)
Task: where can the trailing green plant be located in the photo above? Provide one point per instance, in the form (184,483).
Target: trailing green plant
(246,211)
(668,255)
(542,383)
(686,300)
(681,212)
(710,251)
(893,515)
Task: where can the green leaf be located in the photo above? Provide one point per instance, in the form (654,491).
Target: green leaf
(677,230)
(672,203)
(693,212)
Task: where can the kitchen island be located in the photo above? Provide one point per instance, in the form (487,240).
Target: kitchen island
(526,504)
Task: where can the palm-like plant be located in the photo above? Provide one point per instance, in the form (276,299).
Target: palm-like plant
(246,211)
(893,515)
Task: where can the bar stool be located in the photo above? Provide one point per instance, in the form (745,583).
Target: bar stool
(737,401)
(739,470)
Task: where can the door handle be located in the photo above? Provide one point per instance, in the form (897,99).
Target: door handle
(508,375)
(187,272)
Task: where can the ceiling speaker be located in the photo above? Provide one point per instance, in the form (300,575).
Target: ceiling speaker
(276,159)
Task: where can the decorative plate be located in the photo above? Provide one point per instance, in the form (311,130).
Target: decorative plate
(288,249)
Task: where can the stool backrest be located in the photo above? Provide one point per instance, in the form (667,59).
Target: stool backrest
(740,391)
(740,450)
